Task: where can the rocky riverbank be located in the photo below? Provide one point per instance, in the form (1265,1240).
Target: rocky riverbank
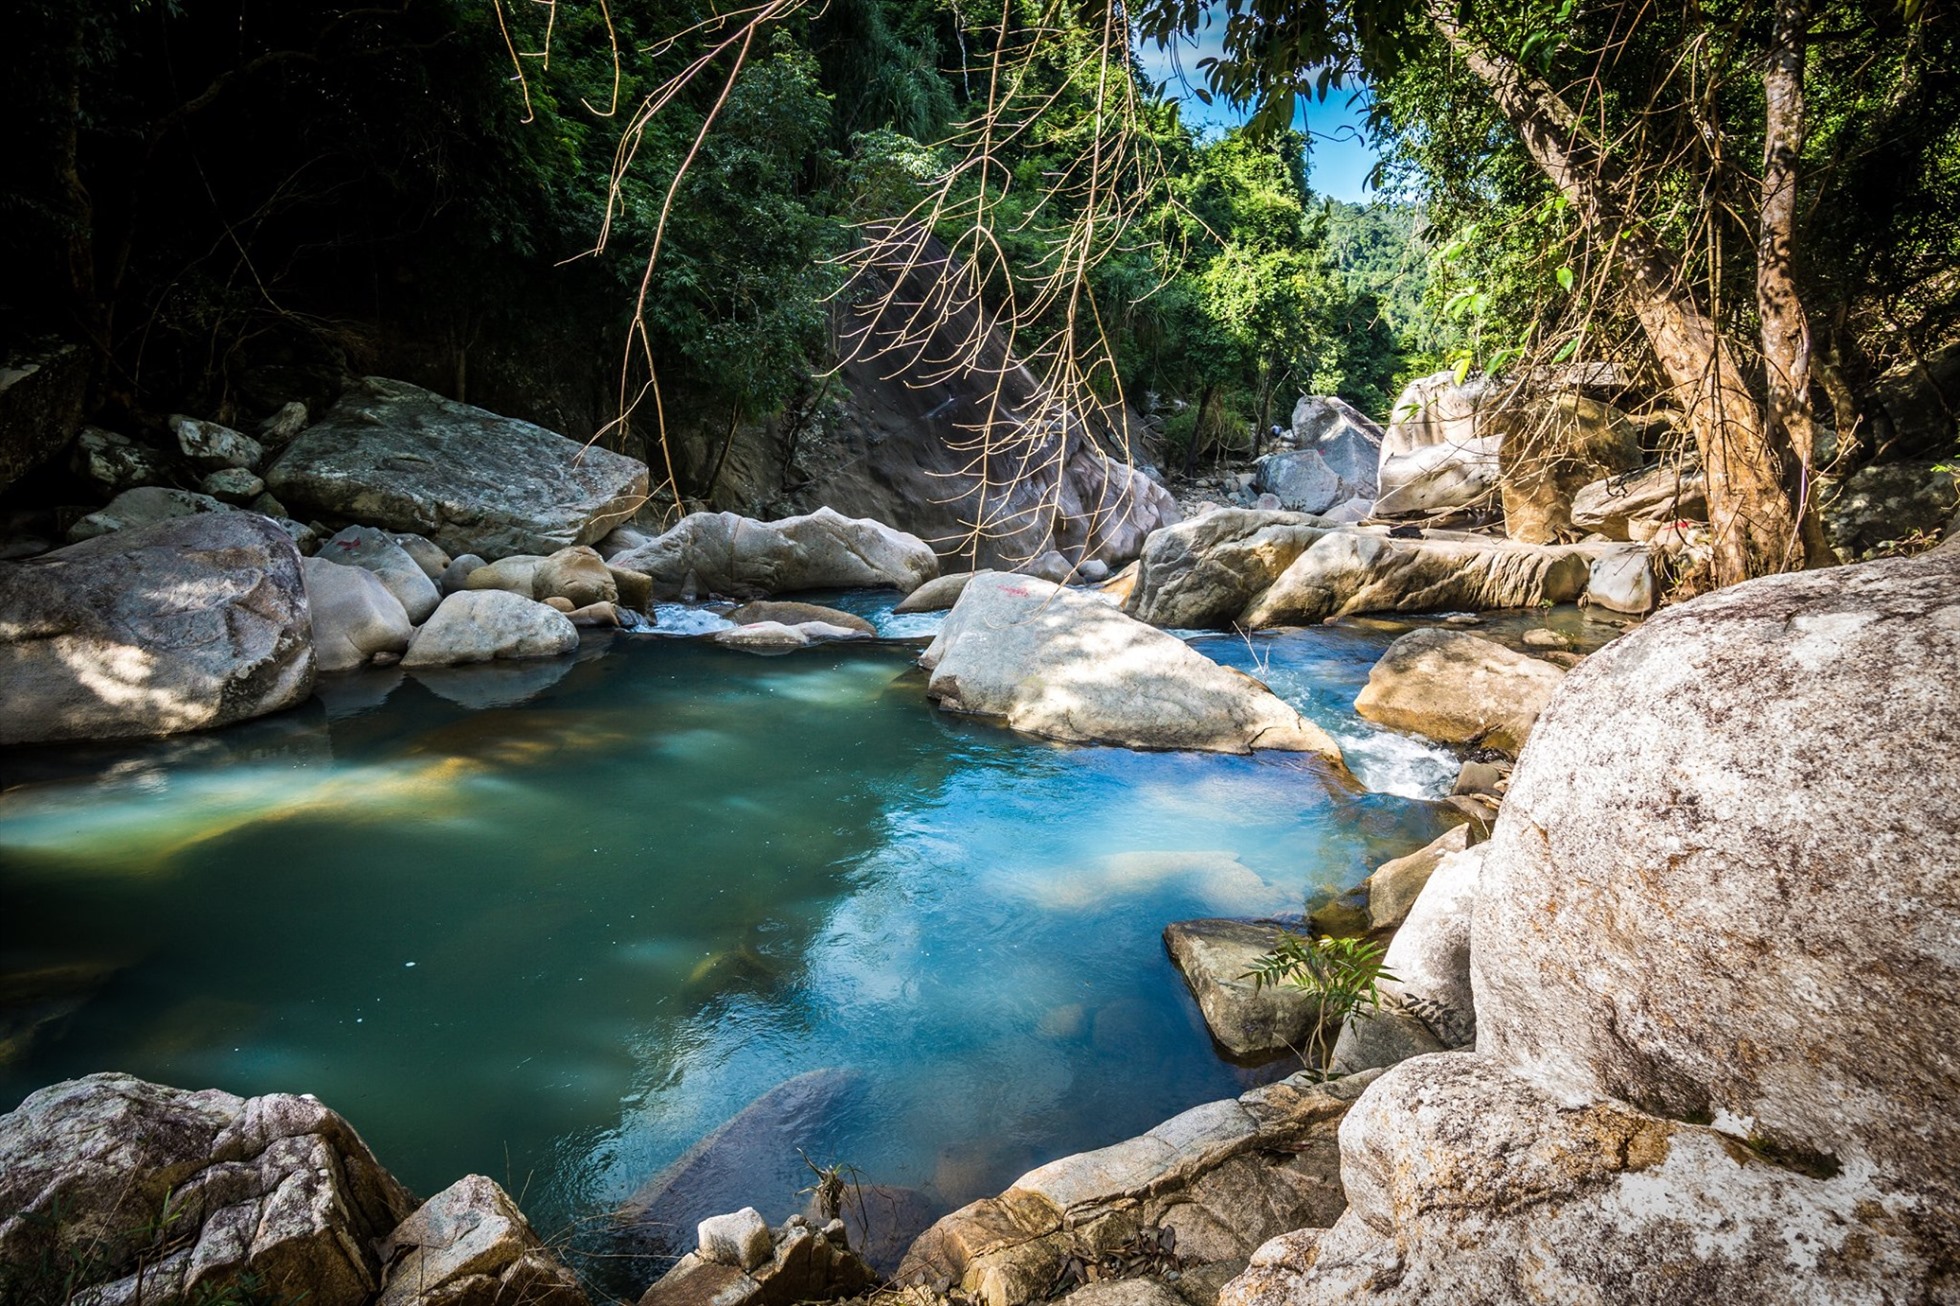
(1689,864)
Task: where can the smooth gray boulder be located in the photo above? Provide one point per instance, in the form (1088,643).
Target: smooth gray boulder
(726,553)
(469,1245)
(1636,506)
(517,574)
(274,1195)
(739,1238)
(1623,579)
(402,458)
(781,637)
(1458,688)
(1335,460)
(456,575)
(376,551)
(428,555)
(1717,994)
(1208,570)
(184,624)
(1255,1024)
(145,505)
(1054,662)
(210,446)
(1440,451)
(488,626)
(354,616)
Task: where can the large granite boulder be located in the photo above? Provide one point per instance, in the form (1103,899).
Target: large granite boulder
(490,626)
(1332,465)
(1065,665)
(1253,568)
(726,553)
(1210,569)
(469,1245)
(1718,997)
(1219,1179)
(1550,453)
(185,624)
(379,552)
(1440,451)
(396,456)
(1638,505)
(1458,688)
(1255,1023)
(354,616)
(124,1191)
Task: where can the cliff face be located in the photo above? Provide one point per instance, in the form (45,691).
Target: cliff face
(933,425)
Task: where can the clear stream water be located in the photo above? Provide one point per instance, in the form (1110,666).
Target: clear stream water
(554,922)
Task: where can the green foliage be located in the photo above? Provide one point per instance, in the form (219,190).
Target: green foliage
(1343,974)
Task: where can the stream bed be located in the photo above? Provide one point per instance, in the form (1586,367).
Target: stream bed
(555,922)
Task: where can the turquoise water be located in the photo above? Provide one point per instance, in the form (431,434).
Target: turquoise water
(555,922)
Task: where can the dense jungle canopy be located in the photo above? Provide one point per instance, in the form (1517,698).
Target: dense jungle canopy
(1752,207)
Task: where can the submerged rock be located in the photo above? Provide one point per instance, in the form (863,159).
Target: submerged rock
(761,1148)
(185,624)
(1458,688)
(405,459)
(1729,844)
(1054,662)
(1255,1024)
(726,553)
(274,1194)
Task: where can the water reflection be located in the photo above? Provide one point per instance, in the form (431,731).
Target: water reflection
(560,940)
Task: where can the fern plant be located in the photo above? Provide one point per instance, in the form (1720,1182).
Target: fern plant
(1343,975)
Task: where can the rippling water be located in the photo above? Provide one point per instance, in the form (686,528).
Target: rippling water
(555,921)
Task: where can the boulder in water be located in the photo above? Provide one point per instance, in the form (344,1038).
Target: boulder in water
(1256,1024)
(1065,665)
(354,616)
(470,1245)
(185,624)
(727,553)
(794,614)
(937,595)
(1458,688)
(490,625)
(405,459)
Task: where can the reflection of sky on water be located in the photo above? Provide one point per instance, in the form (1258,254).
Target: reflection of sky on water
(670,881)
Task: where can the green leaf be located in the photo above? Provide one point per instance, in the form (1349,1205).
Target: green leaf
(1462,369)
(1565,280)
(1566,350)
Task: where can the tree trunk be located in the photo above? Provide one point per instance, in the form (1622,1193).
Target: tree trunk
(1197,434)
(1786,328)
(1749,507)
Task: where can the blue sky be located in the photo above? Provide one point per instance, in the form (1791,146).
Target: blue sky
(1341,157)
